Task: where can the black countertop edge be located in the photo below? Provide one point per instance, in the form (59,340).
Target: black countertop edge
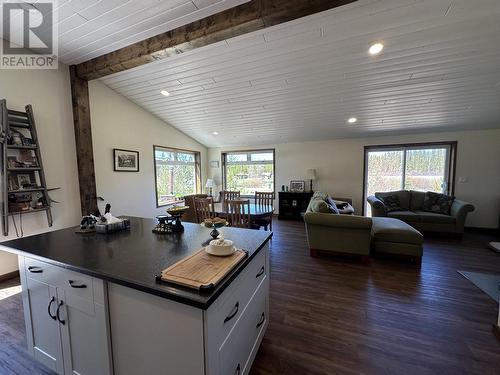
(146,288)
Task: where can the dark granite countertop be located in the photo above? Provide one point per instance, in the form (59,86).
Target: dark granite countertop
(132,258)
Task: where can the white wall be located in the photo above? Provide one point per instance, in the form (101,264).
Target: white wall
(119,123)
(339,165)
(48,91)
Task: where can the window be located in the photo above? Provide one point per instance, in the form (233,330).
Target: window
(248,171)
(177,173)
(422,167)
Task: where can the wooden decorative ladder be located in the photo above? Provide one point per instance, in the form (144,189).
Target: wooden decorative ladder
(24,189)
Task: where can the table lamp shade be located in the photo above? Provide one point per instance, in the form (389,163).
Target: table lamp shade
(210,183)
(311,174)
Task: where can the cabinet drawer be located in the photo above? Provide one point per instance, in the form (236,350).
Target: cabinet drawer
(41,271)
(235,355)
(236,298)
(77,284)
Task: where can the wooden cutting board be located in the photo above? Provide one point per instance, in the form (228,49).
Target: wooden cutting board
(201,270)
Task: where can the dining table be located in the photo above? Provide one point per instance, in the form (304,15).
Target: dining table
(257,211)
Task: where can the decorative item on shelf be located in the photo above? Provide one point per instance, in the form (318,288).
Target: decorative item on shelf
(210,185)
(27,141)
(23,180)
(125,160)
(13,183)
(311,176)
(16,138)
(12,162)
(286,188)
(297,186)
(282,187)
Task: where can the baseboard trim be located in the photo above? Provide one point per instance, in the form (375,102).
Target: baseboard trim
(482,230)
(9,275)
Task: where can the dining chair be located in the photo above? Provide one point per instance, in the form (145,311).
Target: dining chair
(238,213)
(190,214)
(230,195)
(204,208)
(265,199)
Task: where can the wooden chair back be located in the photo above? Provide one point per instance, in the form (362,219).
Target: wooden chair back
(264,199)
(230,195)
(238,213)
(190,215)
(204,208)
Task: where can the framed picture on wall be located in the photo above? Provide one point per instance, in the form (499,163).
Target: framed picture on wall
(125,160)
(297,186)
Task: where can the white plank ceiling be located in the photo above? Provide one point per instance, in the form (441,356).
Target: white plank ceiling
(439,71)
(90,28)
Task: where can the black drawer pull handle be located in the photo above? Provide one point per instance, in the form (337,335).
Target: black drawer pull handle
(52,300)
(261,272)
(238,371)
(76,286)
(262,320)
(233,313)
(62,321)
(35,269)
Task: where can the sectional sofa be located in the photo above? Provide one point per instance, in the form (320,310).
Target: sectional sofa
(412,211)
(330,231)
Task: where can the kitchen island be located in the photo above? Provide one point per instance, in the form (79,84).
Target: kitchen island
(94,306)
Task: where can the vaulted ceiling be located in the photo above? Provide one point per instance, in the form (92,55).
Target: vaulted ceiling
(439,70)
(302,80)
(90,28)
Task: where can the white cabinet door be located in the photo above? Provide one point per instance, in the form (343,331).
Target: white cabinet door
(45,335)
(84,335)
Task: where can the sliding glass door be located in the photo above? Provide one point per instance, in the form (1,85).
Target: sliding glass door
(411,167)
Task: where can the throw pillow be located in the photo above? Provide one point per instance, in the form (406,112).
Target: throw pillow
(437,203)
(391,202)
(333,207)
(320,206)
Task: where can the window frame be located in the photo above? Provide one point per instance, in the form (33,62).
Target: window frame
(197,166)
(249,161)
(451,162)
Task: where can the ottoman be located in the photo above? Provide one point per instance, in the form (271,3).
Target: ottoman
(395,237)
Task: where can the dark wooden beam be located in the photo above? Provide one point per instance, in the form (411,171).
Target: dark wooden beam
(83,139)
(248,17)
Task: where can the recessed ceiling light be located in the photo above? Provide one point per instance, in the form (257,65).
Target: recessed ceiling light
(376,48)
(352,120)
(215,133)
(165,93)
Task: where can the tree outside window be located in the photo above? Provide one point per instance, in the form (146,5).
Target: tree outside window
(177,174)
(249,171)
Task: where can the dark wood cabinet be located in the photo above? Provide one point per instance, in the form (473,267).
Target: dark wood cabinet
(292,205)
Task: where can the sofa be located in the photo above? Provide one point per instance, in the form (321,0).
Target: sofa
(412,210)
(330,231)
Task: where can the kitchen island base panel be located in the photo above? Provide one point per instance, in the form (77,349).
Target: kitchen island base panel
(154,335)
(151,334)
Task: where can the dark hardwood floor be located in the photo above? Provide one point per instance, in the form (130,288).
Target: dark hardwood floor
(341,316)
